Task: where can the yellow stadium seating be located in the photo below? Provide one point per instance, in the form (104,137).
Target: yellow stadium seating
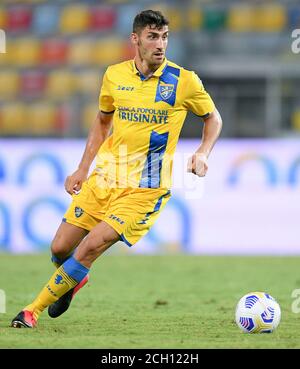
(88,82)
(41,118)
(60,84)
(3,18)
(174,15)
(194,19)
(118,1)
(270,18)
(108,51)
(296,120)
(241,18)
(74,19)
(80,52)
(9,84)
(6,58)
(26,52)
(14,119)
(88,116)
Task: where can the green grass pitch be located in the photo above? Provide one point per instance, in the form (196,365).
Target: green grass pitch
(135,301)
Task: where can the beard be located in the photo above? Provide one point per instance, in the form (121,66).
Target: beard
(148,57)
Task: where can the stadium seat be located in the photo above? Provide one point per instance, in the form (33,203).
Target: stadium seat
(294,17)
(88,82)
(3,18)
(60,84)
(124,23)
(214,19)
(64,118)
(241,18)
(176,19)
(118,1)
(26,52)
(41,118)
(128,50)
(74,19)
(19,18)
(54,52)
(81,52)
(45,19)
(6,58)
(108,51)
(13,119)
(33,83)
(270,18)
(175,15)
(88,116)
(296,120)
(9,84)
(102,18)
(194,19)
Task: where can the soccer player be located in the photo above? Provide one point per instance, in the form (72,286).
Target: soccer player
(145,101)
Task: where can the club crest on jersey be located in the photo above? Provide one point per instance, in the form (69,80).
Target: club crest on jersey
(78,212)
(166,91)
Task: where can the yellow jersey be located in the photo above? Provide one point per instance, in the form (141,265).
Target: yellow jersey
(147,120)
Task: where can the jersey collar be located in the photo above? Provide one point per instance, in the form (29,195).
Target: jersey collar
(157,73)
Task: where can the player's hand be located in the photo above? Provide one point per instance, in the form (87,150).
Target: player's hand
(74,182)
(197,164)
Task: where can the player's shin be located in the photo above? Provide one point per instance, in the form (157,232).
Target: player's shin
(64,278)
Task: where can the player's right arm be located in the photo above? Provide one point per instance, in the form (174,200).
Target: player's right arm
(97,135)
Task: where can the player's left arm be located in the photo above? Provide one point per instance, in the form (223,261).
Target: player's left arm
(198,162)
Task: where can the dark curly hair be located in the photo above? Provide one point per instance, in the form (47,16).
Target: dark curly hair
(149,18)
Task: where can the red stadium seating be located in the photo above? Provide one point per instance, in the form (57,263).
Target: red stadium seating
(63,118)
(128,51)
(102,18)
(33,83)
(54,52)
(19,18)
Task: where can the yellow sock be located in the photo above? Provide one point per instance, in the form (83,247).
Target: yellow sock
(58,285)
(64,278)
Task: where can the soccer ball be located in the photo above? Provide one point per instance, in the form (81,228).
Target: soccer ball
(257,312)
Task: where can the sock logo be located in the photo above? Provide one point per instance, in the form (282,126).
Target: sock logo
(78,212)
(50,290)
(59,279)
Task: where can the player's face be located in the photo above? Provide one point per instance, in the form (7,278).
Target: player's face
(152,44)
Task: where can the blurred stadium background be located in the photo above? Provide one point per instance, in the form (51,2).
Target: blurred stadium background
(50,75)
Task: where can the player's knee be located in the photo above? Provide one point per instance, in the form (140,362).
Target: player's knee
(57,248)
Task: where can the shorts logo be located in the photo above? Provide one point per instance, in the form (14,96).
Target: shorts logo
(116,219)
(78,212)
(166,91)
